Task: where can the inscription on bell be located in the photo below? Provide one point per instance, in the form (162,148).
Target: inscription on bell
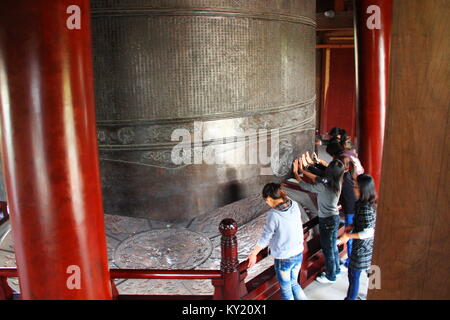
(164,65)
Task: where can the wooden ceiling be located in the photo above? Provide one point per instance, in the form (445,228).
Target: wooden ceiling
(336,31)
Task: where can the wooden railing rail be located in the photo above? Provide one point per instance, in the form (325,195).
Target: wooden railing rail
(261,255)
(164,274)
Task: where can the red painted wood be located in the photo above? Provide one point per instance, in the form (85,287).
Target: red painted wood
(6,293)
(339,5)
(49,149)
(114,291)
(263,286)
(164,297)
(339,88)
(373,69)
(314,266)
(229,265)
(9,272)
(261,255)
(164,274)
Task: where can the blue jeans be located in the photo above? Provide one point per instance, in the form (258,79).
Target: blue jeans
(328,229)
(349,217)
(287,271)
(353,279)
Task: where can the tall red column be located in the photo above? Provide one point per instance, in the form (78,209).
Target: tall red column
(49,149)
(373,20)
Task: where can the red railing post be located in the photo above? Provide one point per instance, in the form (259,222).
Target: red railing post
(6,292)
(229,265)
(115,292)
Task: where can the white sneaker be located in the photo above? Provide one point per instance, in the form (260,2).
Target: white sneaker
(323,279)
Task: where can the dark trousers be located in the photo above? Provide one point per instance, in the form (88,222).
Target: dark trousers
(353,279)
(349,217)
(328,229)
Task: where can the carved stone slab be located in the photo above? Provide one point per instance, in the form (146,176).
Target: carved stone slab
(163,249)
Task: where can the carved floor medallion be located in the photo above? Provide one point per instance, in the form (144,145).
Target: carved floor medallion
(163,249)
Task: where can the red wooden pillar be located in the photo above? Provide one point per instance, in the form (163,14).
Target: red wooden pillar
(373,20)
(49,149)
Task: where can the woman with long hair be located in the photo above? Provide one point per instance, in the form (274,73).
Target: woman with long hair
(362,233)
(328,189)
(283,233)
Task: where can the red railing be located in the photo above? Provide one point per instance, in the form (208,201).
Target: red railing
(162,274)
(229,282)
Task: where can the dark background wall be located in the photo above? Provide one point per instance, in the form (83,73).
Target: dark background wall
(338,108)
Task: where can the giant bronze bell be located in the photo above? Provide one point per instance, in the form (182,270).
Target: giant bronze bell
(188,77)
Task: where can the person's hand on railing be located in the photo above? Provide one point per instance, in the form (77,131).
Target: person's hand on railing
(253,256)
(251,260)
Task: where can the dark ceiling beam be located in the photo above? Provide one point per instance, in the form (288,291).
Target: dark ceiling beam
(343,20)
